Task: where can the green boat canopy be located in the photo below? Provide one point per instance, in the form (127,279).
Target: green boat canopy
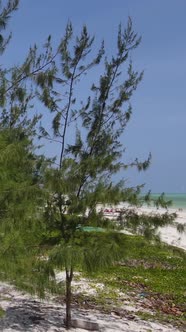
(91,229)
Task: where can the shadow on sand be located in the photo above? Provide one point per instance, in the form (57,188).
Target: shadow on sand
(31,315)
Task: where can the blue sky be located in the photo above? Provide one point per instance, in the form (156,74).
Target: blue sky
(158,124)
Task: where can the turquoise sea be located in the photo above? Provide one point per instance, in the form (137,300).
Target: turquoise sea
(178,200)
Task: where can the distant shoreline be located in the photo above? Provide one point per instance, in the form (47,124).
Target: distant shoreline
(178,199)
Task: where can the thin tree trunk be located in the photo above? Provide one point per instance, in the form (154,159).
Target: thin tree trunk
(69,275)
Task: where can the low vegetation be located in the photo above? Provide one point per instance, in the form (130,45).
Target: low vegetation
(153,277)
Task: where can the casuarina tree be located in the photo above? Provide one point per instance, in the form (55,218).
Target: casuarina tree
(89,133)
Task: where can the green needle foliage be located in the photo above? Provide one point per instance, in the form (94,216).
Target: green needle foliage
(20,199)
(21,170)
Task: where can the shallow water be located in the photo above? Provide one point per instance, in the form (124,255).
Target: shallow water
(178,200)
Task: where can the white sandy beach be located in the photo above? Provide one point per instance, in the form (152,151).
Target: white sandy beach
(168,234)
(27,314)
